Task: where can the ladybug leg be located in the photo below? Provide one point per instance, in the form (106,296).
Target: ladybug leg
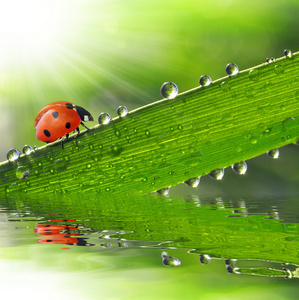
(62,140)
(78,131)
(84,126)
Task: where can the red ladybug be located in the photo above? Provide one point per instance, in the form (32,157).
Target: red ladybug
(58,119)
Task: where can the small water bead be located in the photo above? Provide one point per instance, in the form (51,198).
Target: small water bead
(225,86)
(270,60)
(274,153)
(122,111)
(170,261)
(288,53)
(60,165)
(231,69)
(115,149)
(193,182)
(169,90)
(204,259)
(13,154)
(164,192)
(289,123)
(240,167)
(254,74)
(104,118)
(22,172)
(217,174)
(205,80)
(278,69)
(27,149)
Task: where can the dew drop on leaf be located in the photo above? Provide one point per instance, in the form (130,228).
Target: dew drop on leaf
(22,172)
(115,149)
(122,111)
(254,74)
(164,192)
(169,90)
(193,182)
(274,153)
(205,80)
(13,154)
(170,261)
(217,174)
(240,167)
(60,165)
(104,118)
(278,69)
(231,69)
(27,149)
(204,259)
(287,53)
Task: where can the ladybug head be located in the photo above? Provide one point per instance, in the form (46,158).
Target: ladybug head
(84,114)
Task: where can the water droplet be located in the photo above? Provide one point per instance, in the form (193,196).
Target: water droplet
(205,80)
(217,174)
(170,261)
(231,69)
(115,149)
(240,167)
(164,192)
(225,86)
(169,90)
(104,118)
(122,111)
(193,182)
(147,133)
(267,131)
(287,53)
(22,172)
(13,154)
(204,259)
(27,149)
(288,123)
(270,60)
(278,69)
(274,153)
(254,74)
(144,179)
(60,165)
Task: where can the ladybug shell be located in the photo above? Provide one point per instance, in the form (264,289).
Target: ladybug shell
(56,120)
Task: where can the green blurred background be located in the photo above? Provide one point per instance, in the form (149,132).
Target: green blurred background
(102,54)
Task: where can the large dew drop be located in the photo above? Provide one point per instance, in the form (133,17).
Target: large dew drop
(231,69)
(22,172)
(104,118)
(240,168)
(122,111)
(170,261)
(169,90)
(205,80)
(217,174)
(13,154)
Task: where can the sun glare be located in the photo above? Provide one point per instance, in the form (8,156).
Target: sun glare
(28,28)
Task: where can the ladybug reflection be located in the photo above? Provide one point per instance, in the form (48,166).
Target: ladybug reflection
(59,234)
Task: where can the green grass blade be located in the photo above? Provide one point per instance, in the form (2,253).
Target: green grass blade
(169,141)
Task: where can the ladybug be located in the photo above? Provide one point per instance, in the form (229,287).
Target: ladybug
(58,119)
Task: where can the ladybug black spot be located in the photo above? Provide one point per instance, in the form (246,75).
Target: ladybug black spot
(47,133)
(55,114)
(67,125)
(69,105)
